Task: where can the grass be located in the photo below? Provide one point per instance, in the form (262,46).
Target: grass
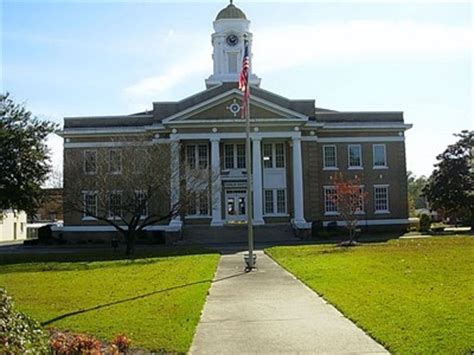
(155,299)
(414,296)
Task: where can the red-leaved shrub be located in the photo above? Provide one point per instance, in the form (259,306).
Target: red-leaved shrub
(122,343)
(74,344)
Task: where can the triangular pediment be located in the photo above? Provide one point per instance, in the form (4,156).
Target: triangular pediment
(228,106)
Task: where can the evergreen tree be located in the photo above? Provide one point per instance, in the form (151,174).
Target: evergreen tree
(450,188)
(24,159)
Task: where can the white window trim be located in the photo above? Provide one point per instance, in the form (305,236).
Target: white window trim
(354,167)
(273,157)
(234,157)
(89,192)
(121,162)
(329,168)
(84,160)
(275,203)
(146,204)
(196,200)
(387,211)
(376,167)
(109,217)
(196,156)
(328,213)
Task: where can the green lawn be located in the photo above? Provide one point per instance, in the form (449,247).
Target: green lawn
(415,296)
(154,300)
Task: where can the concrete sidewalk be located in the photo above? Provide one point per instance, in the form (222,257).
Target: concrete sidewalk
(270,311)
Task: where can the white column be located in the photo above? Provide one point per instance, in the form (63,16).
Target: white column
(216,183)
(174,179)
(257,181)
(298,183)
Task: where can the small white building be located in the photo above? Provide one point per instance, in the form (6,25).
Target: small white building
(12,225)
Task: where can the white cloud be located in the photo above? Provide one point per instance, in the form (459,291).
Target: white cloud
(290,46)
(277,48)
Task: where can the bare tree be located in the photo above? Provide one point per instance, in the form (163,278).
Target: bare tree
(349,197)
(129,187)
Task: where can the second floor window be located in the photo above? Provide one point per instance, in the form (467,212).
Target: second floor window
(329,157)
(197,156)
(355,155)
(380,158)
(273,155)
(115,161)
(234,156)
(90,162)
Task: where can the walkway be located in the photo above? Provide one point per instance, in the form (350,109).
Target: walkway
(269,311)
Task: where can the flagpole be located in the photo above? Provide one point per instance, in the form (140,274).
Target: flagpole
(250,263)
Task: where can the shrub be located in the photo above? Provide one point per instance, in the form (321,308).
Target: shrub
(425,223)
(122,343)
(74,344)
(19,333)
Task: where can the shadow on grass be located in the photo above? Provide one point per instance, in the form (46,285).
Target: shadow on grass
(130,299)
(29,256)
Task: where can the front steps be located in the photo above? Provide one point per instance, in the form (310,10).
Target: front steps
(230,234)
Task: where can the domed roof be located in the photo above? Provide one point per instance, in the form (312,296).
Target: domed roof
(231,12)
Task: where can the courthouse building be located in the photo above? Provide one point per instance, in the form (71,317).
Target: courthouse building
(296,148)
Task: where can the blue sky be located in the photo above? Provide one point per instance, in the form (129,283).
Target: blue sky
(70,58)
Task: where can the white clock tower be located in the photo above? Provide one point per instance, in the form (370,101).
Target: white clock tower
(231,30)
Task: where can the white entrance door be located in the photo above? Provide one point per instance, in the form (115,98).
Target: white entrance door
(236,205)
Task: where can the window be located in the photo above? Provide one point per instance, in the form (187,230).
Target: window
(279,155)
(281,201)
(203,204)
(355,155)
(329,157)
(234,156)
(267,155)
(199,204)
(229,156)
(90,203)
(197,156)
(380,156)
(191,156)
(114,210)
(269,202)
(115,161)
(381,199)
(232,62)
(273,155)
(240,156)
(192,208)
(141,203)
(275,202)
(90,162)
(203,156)
(330,200)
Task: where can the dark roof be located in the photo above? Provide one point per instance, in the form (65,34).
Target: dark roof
(231,12)
(347,117)
(162,110)
(113,121)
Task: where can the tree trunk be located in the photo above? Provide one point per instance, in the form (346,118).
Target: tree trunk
(130,242)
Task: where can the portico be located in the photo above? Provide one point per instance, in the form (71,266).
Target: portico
(272,178)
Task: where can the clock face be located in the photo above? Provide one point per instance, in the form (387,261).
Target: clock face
(232,40)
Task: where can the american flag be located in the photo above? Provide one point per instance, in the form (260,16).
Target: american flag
(244,78)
